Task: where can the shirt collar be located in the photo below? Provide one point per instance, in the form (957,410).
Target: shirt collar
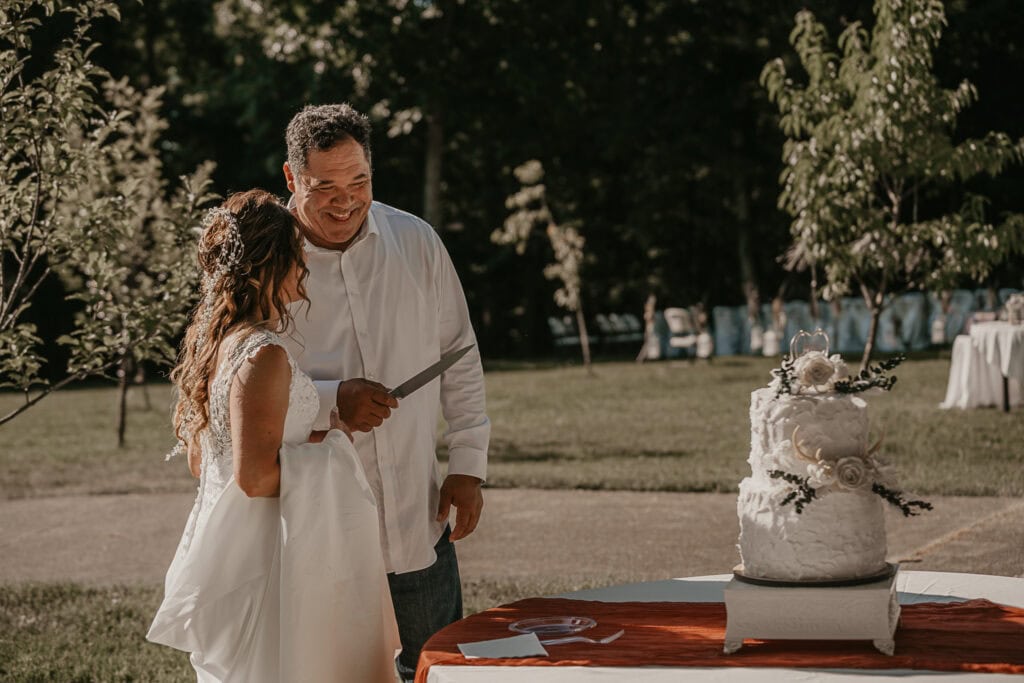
(369,228)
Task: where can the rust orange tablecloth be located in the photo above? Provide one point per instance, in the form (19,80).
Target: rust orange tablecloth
(977,635)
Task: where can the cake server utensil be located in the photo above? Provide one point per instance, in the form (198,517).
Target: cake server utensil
(582,639)
(419,379)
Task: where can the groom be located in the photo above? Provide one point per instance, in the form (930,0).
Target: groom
(385,302)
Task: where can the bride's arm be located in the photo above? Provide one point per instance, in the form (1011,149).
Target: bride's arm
(258,406)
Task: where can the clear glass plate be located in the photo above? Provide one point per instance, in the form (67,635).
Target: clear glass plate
(552,626)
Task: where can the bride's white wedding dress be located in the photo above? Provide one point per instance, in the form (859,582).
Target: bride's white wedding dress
(280,589)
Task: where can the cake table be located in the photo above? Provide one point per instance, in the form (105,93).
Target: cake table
(913,588)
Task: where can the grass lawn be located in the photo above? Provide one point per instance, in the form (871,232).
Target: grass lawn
(67,633)
(669,426)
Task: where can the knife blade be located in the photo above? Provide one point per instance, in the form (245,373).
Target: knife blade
(419,379)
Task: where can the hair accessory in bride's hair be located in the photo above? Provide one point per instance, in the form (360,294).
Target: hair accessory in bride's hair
(231,248)
(228,260)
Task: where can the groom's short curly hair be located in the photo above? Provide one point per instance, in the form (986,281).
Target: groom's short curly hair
(322,126)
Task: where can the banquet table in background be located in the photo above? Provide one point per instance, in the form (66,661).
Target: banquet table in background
(914,587)
(987,367)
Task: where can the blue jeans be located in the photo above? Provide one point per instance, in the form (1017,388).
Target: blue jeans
(425,602)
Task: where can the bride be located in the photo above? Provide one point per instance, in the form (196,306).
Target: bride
(279,574)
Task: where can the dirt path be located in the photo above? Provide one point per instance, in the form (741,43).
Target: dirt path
(525,533)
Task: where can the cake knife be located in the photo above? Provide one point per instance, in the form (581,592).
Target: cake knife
(419,379)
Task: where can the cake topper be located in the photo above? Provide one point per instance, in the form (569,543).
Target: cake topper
(805,342)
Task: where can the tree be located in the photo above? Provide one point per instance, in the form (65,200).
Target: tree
(871,161)
(143,281)
(646,114)
(83,198)
(397,56)
(529,210)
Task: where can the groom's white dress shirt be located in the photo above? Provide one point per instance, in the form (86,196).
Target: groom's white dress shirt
(384,309)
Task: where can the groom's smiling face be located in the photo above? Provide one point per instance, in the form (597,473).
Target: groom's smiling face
(332,194)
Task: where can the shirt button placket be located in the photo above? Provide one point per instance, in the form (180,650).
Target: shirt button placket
(367,353)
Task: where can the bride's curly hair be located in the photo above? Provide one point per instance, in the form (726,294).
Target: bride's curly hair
(246,253)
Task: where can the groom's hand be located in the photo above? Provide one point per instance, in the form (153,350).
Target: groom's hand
(462,491)
(363,404)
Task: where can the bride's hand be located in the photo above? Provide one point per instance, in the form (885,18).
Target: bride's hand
(337,423)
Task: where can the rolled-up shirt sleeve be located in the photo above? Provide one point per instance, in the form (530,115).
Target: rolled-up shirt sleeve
(327,389)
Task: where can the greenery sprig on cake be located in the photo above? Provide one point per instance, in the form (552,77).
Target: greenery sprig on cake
(909,508)
(803,494)
(871,377)
(858,472)
(816,373)
(809,369)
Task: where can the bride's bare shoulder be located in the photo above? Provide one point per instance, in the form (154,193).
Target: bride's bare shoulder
(267,363)
(262,365)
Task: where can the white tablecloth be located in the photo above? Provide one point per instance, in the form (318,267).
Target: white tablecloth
(1002,345)
(913,586)
(974,382)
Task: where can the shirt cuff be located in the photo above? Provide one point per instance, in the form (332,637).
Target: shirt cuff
(469,461)
(327,389)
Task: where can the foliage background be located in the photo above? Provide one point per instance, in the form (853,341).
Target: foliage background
(646,115)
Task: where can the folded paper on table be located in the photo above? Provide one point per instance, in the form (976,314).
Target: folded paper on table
(526,645)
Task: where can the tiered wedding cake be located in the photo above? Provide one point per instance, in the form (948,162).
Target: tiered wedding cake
(812,508)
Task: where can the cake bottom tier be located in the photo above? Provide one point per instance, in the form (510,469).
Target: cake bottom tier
(839,534)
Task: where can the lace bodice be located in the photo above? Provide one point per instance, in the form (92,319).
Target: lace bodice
(215,441)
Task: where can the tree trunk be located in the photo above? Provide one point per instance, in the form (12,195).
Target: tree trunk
(747,276)
(875,305)
(432,170)
(741,215)
(650,311)
(140,380)
(815,312)
(124,378)
(153,29)
(581,325)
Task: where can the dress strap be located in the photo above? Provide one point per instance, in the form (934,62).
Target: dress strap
(244,347)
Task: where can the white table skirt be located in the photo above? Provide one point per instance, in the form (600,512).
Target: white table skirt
(1002,343)
(913,587)
(974,380)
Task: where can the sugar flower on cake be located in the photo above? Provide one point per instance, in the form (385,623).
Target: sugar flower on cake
(853,472)
(812,371)
(850,472)
(815,370)
(860,471)
(820,475)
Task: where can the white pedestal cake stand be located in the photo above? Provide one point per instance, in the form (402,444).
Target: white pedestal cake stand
(864,609)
